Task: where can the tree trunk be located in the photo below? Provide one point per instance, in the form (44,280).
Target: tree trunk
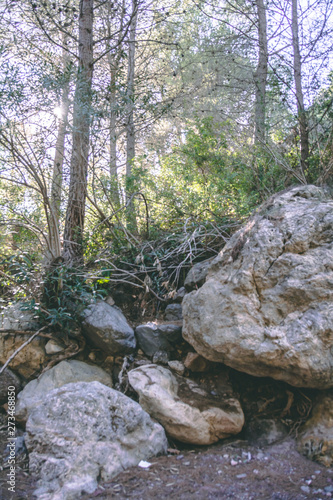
(57,176)
(113,64)
(74,226)
(130,127)
(302,118)
(260,76)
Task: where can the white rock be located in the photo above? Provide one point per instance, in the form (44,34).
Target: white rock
(52,347)
(63,373)
(186,411)
(266,307)
(84,431)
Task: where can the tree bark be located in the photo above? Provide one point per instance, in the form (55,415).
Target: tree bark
(260,76)
(74,225)
(130,126)
(113,64)
(302,117)
(57,175)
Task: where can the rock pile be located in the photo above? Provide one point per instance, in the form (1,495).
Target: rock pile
(263,306)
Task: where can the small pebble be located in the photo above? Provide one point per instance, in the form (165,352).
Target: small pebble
(328,489)
(241,476)
(226,456)
(186,463)
(233,462)
(180,457)
(306,489)
(308,481)
(219,472)
(255,471)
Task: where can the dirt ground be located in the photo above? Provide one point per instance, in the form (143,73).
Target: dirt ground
(228,470)
(240,468)
(235,470)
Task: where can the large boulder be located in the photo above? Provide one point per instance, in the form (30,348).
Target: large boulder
(187,412)
(108,329)
(266,307)
(27,362)
(315,438)
(65,372)
(83,432)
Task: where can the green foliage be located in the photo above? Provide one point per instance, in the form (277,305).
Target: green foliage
(202,179)
(17,273)
(66,293)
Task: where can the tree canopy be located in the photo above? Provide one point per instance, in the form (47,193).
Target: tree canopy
(129,127)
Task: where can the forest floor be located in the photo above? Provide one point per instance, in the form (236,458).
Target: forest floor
(234,470)
(231,469)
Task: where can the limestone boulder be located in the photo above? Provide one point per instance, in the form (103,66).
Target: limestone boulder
(83,432)
(187,412)
(266,307)
(315,438)
(29,361)
(63,373)
(108,329)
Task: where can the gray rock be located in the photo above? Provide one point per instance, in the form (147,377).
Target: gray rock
(20,449)
(108,329)
(266,307)
(177,366)
(197,275)
(173,312)
(265,431)
(179,295)
(153,337)
(8,379)
(13,317)
(186,411)
(161,357)
(315,438)
(83,432)
(63,373)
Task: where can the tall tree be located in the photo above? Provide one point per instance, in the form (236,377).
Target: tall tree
(74,225)
(130,126)
(260,76)
(57,174)
(301,113)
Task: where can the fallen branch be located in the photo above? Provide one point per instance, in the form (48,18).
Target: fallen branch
(20,348)
(69,352)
